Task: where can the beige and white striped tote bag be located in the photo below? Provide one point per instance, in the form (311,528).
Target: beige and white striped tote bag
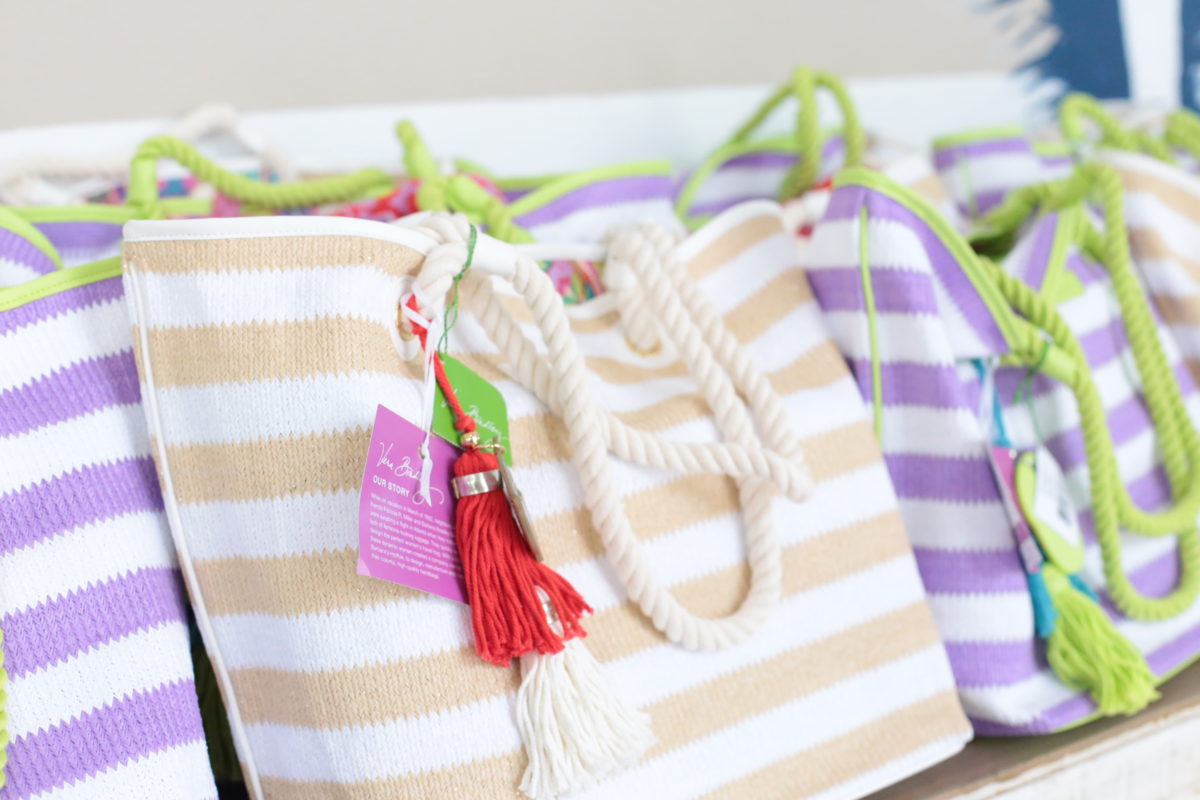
(265,346)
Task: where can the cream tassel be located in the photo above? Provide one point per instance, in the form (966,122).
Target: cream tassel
(576,727)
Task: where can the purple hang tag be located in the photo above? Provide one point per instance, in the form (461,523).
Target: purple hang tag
(402,538)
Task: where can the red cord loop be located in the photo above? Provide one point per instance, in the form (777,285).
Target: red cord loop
(463,422)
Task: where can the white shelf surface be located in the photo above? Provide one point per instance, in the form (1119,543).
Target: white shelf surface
(538,135)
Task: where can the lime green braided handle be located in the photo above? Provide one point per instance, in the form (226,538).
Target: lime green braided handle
(1111,248)
(1178,440)
(1111,504)
(804,174)
(419,163)
(1181,451)
(1183,131)
(1017,206)
(143,180)
(460,193)
(1077,107)
(806,138)
(803,86)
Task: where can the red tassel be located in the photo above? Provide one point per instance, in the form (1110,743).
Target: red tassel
(502,574)
(503,577)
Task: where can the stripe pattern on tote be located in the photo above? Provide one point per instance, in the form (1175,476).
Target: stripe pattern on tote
(101,699)
(586,212)
(934,445)
(81,242)
(757,174)
(20,259)
(980,172)
(268,354)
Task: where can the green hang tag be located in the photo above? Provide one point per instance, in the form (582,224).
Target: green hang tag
(1042,493)
(479,399)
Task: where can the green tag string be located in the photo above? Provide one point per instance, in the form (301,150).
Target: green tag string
(452,308)
(1024,393)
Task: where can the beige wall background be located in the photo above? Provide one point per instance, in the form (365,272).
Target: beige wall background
(85,60)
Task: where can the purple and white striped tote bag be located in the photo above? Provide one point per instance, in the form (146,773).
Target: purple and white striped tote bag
(918,317)
(25,253)
(797,167)
(30,249)
(979,168)
(751,165)
(584,206)
(750,171)
(577,207)
(101,695)
(101,698)
(1161,204)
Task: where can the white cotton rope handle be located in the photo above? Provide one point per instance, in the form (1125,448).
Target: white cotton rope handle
(654,243)
(19,176)
(590,441)
(631,444)
(637,446)
(637,318)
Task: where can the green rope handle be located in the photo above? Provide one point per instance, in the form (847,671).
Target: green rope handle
(143,181)
(1112,249)
(459,193)
(1017,206)
(418,161)
(1183,131)
(806,138)
(686,198)
(803,86)
(1078,107)
(1179,442)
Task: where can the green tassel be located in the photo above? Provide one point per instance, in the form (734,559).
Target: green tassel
(222,755)
(1087,652)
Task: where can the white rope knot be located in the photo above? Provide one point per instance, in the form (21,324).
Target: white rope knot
(443,263)
(641,331)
